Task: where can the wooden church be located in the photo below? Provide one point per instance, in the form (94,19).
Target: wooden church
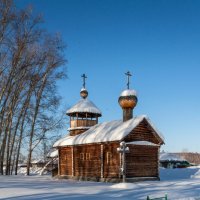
(91,150)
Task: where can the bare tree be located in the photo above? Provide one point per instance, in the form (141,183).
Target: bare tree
(31,63)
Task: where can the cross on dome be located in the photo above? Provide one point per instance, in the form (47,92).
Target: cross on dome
(84,92)
(84,78)
(128,74)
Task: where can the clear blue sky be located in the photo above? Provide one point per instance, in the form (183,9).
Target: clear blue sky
(157,40)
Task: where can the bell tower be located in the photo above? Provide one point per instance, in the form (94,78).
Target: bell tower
(84,114)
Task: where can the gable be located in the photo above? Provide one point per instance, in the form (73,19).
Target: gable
(144,132)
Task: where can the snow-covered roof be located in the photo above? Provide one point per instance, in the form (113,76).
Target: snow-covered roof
(84,106)
(38,161)
(170,157)
(53,154)
(146,143)
(79,128)
(105,132)
(128,92)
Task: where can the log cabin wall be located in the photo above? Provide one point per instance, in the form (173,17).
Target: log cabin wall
(111,160)
(65,161)
(82,122)
(77,131)
(142,161)
(103,161)
(96,160)
(87,160)
(143,132)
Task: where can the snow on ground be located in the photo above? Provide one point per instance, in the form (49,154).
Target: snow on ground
(179,184)
(33,170)
(196,175)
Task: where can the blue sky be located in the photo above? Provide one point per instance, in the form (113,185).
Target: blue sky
(157,40)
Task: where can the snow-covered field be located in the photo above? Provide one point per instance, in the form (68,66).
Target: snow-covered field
(181,184)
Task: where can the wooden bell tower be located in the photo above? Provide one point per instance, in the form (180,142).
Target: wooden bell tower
(84,114)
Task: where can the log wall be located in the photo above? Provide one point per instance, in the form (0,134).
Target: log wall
(87,161)
(77,132)
(65,162)
(142,132)
(82,122)
(111,160)
(97,160)
(142,161)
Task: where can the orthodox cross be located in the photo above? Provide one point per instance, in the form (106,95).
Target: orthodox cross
(128,74)
(84,77)
(123,149)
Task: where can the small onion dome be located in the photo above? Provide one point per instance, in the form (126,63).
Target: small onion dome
(84,93)
(128,99)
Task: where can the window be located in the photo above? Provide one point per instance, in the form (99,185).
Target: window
(87,156)
(81,156)
(84,156)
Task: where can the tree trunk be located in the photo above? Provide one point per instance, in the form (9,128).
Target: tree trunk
(37,105)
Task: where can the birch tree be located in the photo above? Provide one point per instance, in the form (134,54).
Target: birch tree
(31,63)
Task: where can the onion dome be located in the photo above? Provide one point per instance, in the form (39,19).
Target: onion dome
(128,99)
(84,93)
